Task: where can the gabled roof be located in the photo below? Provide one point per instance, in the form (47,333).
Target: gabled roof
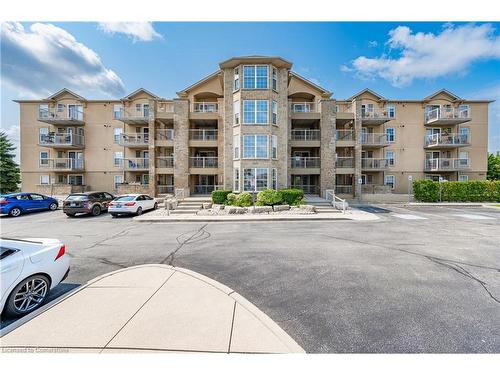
(129,96)
(324,92)
(369,91)
(54,96)
(256,59)
(200,82)
(430,97)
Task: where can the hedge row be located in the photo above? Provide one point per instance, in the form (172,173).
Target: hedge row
(457,191)
(268,197)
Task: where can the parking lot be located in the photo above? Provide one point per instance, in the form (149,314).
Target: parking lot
(420,279)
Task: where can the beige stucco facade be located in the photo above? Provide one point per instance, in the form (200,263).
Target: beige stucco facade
(250,125)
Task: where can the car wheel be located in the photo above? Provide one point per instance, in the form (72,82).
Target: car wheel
(96,210)
(70,215)
(15,212)
(155,206)
(139,211)
(53,206)
(27,296)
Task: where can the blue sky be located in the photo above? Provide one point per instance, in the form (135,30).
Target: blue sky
(397,60)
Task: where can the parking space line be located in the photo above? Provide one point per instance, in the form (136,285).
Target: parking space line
(409,217)
(475,216)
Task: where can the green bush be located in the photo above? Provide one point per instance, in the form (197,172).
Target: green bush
(244,200)
(457,191)
(220,196)
(293,197)
(269,197)
(231,199)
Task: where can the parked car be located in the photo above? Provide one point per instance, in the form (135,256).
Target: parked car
(94,202)
(30,268)
(19,203)
(132,204)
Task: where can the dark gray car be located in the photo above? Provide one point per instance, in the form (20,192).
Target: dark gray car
(93,202)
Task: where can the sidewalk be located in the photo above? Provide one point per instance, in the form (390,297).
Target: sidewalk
(149,308)
(160,215)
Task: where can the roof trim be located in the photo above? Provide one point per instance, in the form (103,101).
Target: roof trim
(367,90)
(237,60)
(139,90)
(439,92)
(310,83)
(198,83)
(64,89)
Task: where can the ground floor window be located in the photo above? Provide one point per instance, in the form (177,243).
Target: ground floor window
(390,181)
(75,179)
(463,177)
(274,179)
(44,179)
(255,179)
(118,180)
(236,186)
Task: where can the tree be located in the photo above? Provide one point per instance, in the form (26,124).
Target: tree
(9,170)
(494,166)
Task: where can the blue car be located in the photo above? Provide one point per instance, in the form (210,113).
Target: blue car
(19,203)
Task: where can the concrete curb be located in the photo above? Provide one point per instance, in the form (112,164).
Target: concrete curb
(272,326)
(446,204)
(267,218)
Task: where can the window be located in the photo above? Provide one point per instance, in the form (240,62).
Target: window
(44,158)
(363,179)
(255,111)
(274,147)
(274,180)
(275,79)
(138,108)
(236,109)
(236,84)
(117,134)
(117,110)
(255,76)
(118,179)
(118,159)
(391,111)
(261,146)
(44,179)
(464,111)
(43,111)
(75,179)
(390,181)
(43,134)
(390,133)
(255,179)
(275,112)
(60,107)
(236,181)
(389,156)
(463,177)
(337,108)
(236,147)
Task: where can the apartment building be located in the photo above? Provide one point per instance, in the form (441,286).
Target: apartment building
(251,125)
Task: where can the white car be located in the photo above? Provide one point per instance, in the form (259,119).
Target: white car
(132,204)
(30,268)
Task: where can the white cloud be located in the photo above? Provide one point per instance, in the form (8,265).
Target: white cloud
(44,58)
(137,31)
(427,55)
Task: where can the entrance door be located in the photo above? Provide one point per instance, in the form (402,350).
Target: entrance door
(76,159)
(75,112)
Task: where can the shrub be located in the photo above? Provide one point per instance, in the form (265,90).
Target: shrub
(457,191)
(293,197)
(244,200)
(269,197)
(231,199)
(220,196)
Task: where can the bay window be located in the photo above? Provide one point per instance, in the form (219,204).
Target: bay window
(255,179)
(236,181)
(275,79)
(255,146)
(275,112)
(274,179)
(274,147)
(255,76)
(236,147)
(236,83)
(255,112)
(236,109)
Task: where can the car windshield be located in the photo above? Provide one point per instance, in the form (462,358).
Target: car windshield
(125,199)
(77,197)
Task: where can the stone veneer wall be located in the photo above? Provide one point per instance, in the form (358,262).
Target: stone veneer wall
(181,145)
(327,151)
(356,108)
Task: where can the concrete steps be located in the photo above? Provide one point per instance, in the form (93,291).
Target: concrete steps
(190,205)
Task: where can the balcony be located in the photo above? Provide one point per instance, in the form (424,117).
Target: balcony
(135,164)
(447,116)
(446,164)
(308,189)
(133,117)
(132,140)
(203,137)
(205,107)
(70,117)
(447,140)
(165,189)
(305,138)
(344,165)
(205,189)
(306,165)
(165,112)
(165,162)
(374,116)
(62,140)
(204,113)
(62,164)
(164,134)
(304,112)
(345,138)
(374,140)
(370,164)
(203,162)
